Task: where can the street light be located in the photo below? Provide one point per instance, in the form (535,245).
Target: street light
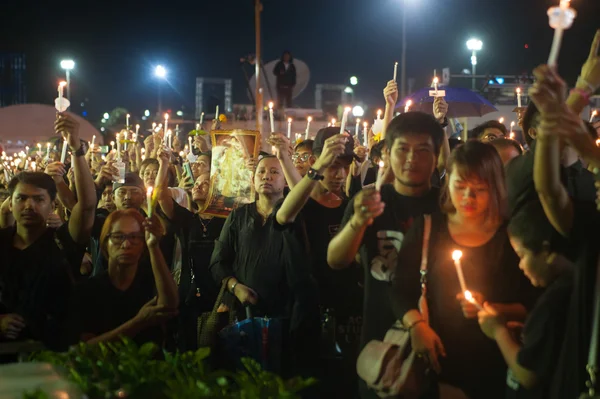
(68,65)
(161,73)
(353,80)
(474,45)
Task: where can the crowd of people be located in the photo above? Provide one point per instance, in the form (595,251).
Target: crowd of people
(336,245)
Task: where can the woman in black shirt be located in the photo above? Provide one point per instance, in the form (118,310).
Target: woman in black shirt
(472,221)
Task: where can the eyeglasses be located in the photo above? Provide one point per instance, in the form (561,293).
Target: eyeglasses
(303,157)
(119,238)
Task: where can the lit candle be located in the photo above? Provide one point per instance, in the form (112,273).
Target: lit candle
(289,128)
(308,120)
(33,166)
(217,113)
(61,88)
(407,106)
(380,173)
(202,118)
(166,123)
(435,84)
(153,127)
(170,139)
(598,143)
(519,97)
(125,140)
(93,140)
(357,128)
(593,115)
(469,297)
(48,150)
(190,143)
(344,119)
(512,135)
(378,114)
(501,120)
(512,126)
(560,19)
(395,70)
(149,192)
(271,118)
(456,255)
(127,122)
(112,145)
(197,127)
(39,146)
(137,130)
(333,122)
(365,139)
(63,155)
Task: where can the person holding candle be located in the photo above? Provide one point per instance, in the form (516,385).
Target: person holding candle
(473,222)
(303,156)
(532,361)
(285,72)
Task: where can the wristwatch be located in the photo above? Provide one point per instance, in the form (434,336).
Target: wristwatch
(314,175)
(80,152)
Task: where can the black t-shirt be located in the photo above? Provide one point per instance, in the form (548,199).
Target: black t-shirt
(36,282)
(570,377)
(543,337)
(491,269)
(379,251)
(98,306)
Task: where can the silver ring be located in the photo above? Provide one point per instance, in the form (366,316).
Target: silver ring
(363,209)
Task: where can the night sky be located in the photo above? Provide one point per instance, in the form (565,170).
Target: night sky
(116,44)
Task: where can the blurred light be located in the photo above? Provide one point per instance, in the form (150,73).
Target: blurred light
(353,80)
(102,129)
(147,113)
(526,45)
(491,82)
(179,113)
(67,64)
(144,118)
(348,90)
(84,113)
(466,72)
(106,115)
(358,111)
(500,81)
(474,44)
(103,120)
(160,71)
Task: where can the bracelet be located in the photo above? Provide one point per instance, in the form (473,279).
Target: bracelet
(233,287)
(586,83)
(415,323)
(79,152)
(582,93)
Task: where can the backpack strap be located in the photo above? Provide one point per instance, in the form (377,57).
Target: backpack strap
(423,308)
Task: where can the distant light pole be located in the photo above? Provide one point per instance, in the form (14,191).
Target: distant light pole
(68,65)
(474,45)
(161,73)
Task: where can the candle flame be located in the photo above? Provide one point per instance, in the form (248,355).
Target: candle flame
(62,84)
(289,120)
(149,190)
(365,125)
(166,116)
(456,255)
(271,105)
(128,115)
(408,103)
(357,120)
(381,164)
(137,126)
(347,109)
(518,90)
(594,112)
(436,80)
(310,118)
(598,143)
(469,296)
(379,112)
(333,122)
(112,143)
(512,135)
(512,124)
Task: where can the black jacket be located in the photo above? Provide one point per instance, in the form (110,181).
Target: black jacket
(285,78)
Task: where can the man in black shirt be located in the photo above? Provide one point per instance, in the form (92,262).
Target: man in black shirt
(37,262)
(375,221)
(285,71)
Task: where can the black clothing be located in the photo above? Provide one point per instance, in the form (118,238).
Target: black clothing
(271,262)
(491,269)
(521,190)
(286,80)
(197,289)
(378,257)
(356,184)
(98,307)
(571,375)
(284,97)
(36,282)
(543,339)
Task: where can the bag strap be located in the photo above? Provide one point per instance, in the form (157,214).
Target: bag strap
(220,296)
(592,364)
(424,260)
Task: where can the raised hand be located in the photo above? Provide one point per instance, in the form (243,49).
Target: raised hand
(590,71)
(468,308)
(440,108)
(66,125)
(333,147)
(390,93)
(154,231)
(367,207)
(549,92)
(280,144)
(56,170)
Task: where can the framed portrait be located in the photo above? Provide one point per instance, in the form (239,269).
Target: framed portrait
(231,183)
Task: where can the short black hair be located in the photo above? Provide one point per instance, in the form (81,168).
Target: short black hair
(531,226)
(414,123)
(377,149)
(305,144)
(493,124)
(531,120)
(37,179)
(506,143)
(263,157)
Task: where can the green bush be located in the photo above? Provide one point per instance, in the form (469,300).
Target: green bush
(124,370)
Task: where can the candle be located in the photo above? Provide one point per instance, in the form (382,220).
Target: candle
(197,127)
(598,143)
(153,127)
(127,122)
(519,97)
(166,123)
(395,70)
(271,117)
(289,128)
(190,143)
(125,140)
(512,135)
(202,118)
(112,145)
(170,139)
(344,119)
(93,140)
(435,84)
(48,150)
(357,128)
(333,122)
(63,155)
(378,114)
(149,200)
(512,126)
(61,88)
(560,19)
(407,106)
(217,113)
(118,147)
(380,173)
(456,255)
(39,146)
(469,297)
(137,130)
(501,120)
(33,166)
(308,120)
(593,115)
(365,139)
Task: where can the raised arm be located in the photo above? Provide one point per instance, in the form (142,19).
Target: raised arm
(163,194)
(281,145)
(165,285)
(440,110)
(57,171)
(390,93)
(296,199)
(589,79)
(82,215)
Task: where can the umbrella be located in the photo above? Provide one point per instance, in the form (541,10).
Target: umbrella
(461,102)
